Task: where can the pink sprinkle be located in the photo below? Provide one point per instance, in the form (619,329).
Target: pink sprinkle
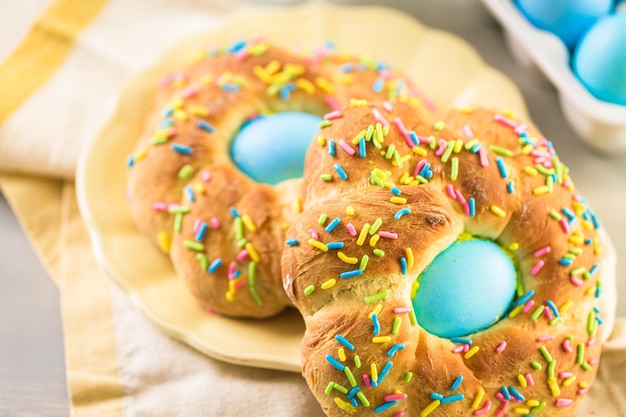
(351,229)
(395,397)
(240,284)
(575,280)
(566,347)
(504,121)
(565,375)
(502,409)
(459,196)
(346,147)
(594,361)
(529,380)
(521,128)
(215,223)
(465,348)
(484,162)
(399,414)
(366,380)
(379,118)
(545,338)
(242,255)
(313,234)
(171,133)
(441,149)
(564,225)
(386,73)
(166,80)
(537,153)
(591,342)
(457,349)
(535,270)
(403,131)
(189,92)
(548,313)
(467,131)
(418,168)
(582,391)
(528,306)
(241,55)
(388,235)
(332,102)
(542,251)
(232,267)
(206,176)
(159,207)
(563,402)
(387,106)
(450,191)
(466,208)
(333,115)
(501,397)
(424,139)
(501,346)
(484,410)
(401,310)
(196,225)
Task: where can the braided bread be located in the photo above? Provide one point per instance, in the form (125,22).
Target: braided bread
(222,227)
(450,270)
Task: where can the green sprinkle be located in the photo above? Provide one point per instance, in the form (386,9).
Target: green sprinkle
(242,242)
(195,246)
(586,366)
(469,145)
(570,256)
(385,130)
(555,215)
(362,398)
(185,171)
(322,219)
(538,311)
(448,151)
(538,408)
(204,263)
(543,170)
(340,388)
(357,361)
(558,169)
(325,123)
(578,271)
(439,126)
(498,150)
(591,323)
(551,367)
(546,354)
(369,132)
(239,233)
(371,299)
(376,143)
(576,251)
(375,226)
(390,150)
(536,365)
(256,296)
(555,320)
(550,183)
(329,388)
(433,143)
(308,290)
(251,273)
(178,209)
(412,317)
(158,141)
(421,179)
(349,375)
(178,222)
(580,354)
(326,177)
(396,325)
(396,157)
(363,263)
(454,172)
(408,376)
(379,252)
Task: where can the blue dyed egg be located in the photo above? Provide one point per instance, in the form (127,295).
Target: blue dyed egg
(271,149)
(599,61)
(466,288)
(568,19)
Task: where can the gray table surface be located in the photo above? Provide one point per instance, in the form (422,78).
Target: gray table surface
(32,375)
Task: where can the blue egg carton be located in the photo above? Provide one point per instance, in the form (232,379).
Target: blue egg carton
(600,124)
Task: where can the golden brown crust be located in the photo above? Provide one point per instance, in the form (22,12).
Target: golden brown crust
(182,176)
(500,368)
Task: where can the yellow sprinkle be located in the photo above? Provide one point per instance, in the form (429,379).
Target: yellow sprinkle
(509,113)
(178,103)
(358,137)
(260,72)
(325,85)
(471,352)
(533,403)
(347,407)
(514,246)
(321,140)
(344,79)
(516,311)
(181,115)
(230,295)
(598,250)
(247,221)
(381,339)
(569,381)
(409,257)
(165,242)
(357,103)
(306,85)
(478,399)
(521,410)
(530,171)
(379,132)
(522,380)
(347,259)
(458,145)
(554,386)
(377,310)
(583,384)
(199,110)
(566,306)
(587,225)
(329,284)
(342,354)
(527,149)
(414,287)
(419,151)
(374,370)
(272,67)
(350,211)
(254,255)
(317,244)
(374,240)
(466,110)
(199,188)
(139,155)
(363,234)
(431,407)
(206,80)
(542,189)
(498,211)
(398,200)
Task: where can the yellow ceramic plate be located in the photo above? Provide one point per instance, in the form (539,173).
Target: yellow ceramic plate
(445,68)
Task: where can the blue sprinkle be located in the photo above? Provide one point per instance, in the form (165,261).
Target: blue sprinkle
(189,194)
(285,92)
(236,274)
(344,342)
(181,148)
(168,112)
(131,161)
(234,212)
(594,220)
(425,169)
(334,362)
(565,261)
(353,402)
(403,265)
(599,320)
(598,291)
(510,187)
(516,394)
(414,138)
(237,46)
(215,264)
(475,148)
(395,191)
(332,225)
(436,396)
(452,398)
(394,349)
(376,324)
(502,168)
(351,274)
(353,392)
(569,213)
(457,383)
(201,232)
(382,374)
(472,206)
(429,174)
(362,150)
(205,126)
(345,68)
(335,245)
(292,242)
(526,297)
(553,308)
(402,212)
(594,269)
(597,310)
(332,149)
(378,85)
(165,124)
(506,393)
(461,340)
(230,88)
(341,172)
